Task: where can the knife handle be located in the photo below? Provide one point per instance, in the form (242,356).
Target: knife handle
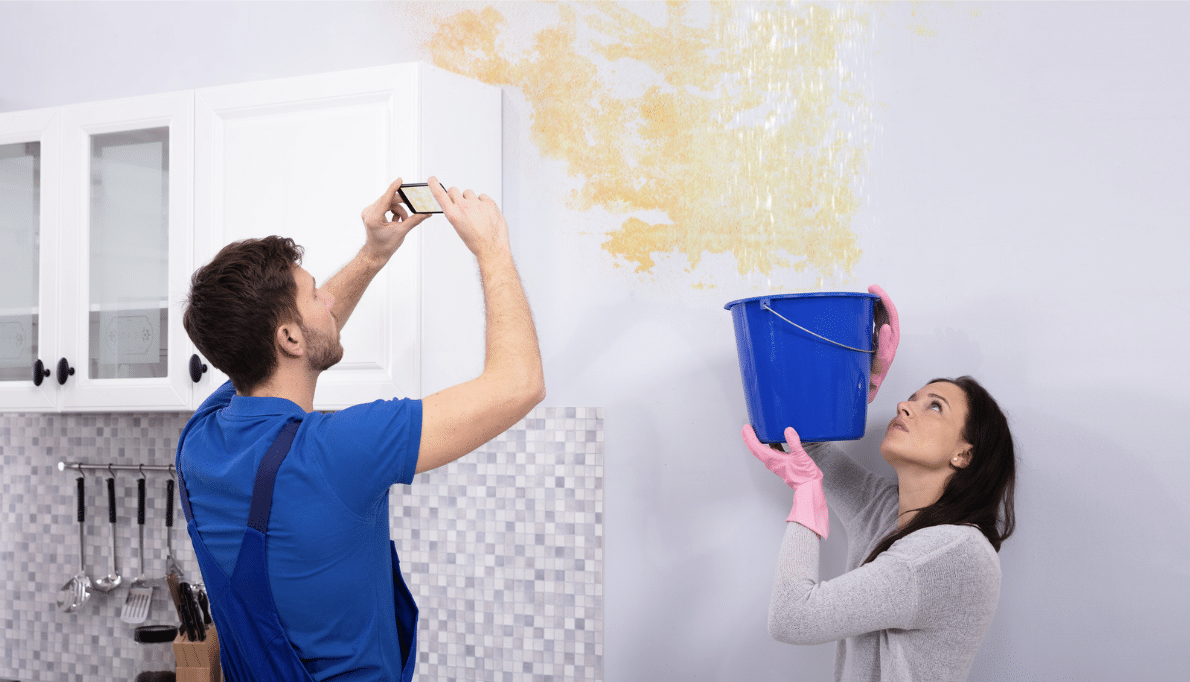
(187,617)
(174,592)
(206,606)
(198,623)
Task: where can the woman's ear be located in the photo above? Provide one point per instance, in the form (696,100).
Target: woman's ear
(962,457)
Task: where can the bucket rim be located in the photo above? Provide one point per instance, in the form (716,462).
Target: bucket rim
(812,294)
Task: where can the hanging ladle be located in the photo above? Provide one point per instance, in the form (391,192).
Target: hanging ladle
(77,590)
(112,580)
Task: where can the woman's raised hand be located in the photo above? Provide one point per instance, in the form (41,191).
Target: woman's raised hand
(800,473)
(887,340)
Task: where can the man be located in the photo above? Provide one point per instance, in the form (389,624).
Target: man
(313,589)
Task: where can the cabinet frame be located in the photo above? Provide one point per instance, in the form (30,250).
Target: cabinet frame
(42,126)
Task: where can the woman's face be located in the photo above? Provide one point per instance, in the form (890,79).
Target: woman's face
(928,430)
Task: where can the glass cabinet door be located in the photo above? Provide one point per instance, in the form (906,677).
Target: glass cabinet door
(20,214)
(129,255)
(127,197)
(28,229)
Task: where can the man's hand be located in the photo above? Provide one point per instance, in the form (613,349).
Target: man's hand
(477,219)
(386,236)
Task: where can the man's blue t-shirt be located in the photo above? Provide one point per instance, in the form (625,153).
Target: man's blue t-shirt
(328,538)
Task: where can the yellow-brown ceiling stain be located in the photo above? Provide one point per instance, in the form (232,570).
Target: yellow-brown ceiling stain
(739,137)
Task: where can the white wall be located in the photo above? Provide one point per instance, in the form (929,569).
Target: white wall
(1027,209)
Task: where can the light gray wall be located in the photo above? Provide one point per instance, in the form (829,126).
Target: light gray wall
(1026,207)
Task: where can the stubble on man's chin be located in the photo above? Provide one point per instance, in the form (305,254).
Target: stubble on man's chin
(323,352)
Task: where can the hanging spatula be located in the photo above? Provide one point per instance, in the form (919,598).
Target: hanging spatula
(140,593)
(171,564)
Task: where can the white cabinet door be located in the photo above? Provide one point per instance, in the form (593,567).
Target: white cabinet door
(29,256)
(302,157)
(127,188)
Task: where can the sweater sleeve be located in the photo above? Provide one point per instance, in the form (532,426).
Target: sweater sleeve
(876,596)
(853,493)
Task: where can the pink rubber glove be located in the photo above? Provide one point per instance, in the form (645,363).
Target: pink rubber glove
(800,473)
(887,340)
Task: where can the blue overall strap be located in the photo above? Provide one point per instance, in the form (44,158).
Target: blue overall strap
(406,610)
(266,475)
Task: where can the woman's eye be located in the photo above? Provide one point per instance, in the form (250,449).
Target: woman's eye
(937,405)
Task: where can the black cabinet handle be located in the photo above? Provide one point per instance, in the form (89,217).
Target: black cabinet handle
(40,372)
(64,371)
(197,368)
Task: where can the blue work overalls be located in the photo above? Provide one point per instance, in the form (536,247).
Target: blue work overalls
(253,646)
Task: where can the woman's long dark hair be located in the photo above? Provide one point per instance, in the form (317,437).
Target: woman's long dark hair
(981,493)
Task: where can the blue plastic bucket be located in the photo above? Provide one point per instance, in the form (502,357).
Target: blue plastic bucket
(805,360)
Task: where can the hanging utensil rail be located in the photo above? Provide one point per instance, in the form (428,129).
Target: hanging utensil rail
(83,466)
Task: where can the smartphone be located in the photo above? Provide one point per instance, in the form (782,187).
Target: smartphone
(419,198)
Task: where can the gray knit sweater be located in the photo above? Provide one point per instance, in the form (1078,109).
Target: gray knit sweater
(917,613)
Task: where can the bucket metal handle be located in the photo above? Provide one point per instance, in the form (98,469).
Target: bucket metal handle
(765,304)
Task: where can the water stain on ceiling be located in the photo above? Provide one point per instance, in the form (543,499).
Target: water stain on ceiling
(735,128)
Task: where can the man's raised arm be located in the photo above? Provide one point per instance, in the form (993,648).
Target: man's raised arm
(383,238)
(459,419)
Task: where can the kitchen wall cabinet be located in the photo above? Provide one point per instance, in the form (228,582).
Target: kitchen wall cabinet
(106,208)
(301,158)
(96,227)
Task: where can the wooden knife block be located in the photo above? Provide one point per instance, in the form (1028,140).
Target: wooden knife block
(198,661)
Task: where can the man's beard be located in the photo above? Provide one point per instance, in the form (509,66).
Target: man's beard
(322,352)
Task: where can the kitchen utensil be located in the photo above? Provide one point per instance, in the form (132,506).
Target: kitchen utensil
(198,631)
(188,626)
(175,592)
(172,581)
(112,580)
(204,603)
(77,590)
(140,593)
(171,564)
(199,618)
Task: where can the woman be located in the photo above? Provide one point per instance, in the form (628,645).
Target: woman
(923,575)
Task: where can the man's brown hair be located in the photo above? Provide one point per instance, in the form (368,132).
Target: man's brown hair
(236,303)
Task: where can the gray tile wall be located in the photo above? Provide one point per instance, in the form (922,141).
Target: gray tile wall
(502,549)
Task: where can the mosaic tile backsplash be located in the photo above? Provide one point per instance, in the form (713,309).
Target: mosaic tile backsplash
(502,549)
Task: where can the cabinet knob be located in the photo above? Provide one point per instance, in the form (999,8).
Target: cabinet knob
(197,368)
(40,372)
(64,371)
